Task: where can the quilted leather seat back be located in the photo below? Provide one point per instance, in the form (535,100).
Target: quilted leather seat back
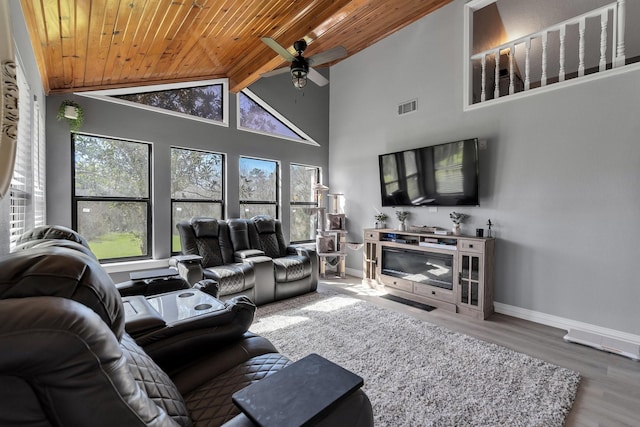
(199,236)
(66,273)
(270,236)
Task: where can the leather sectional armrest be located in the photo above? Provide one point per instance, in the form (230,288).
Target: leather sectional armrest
(189,267)
(188,259)
(247,253)
(140,317)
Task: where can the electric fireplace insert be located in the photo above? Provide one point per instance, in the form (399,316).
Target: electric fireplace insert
(430,268)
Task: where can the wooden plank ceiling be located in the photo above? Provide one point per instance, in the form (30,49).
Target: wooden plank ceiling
(85,45)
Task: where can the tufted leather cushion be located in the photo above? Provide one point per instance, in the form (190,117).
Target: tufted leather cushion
(211,405)
(209,250)
(65,273)
(155,382)
(270,234)
(291,268)
(232,278)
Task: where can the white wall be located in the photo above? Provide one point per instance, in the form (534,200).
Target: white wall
(559,178)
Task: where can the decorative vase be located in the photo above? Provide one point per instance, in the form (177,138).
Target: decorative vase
(402,226)
(456,229)
(381,224)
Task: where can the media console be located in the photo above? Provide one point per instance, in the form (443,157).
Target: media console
(450,272)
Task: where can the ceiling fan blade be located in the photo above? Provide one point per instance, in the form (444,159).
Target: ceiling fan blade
(327,56)
(279,49)
(276,72)
(317,78)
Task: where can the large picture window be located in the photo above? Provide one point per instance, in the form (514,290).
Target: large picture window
(111,189)
(259,193)
(197,182)
(303,226)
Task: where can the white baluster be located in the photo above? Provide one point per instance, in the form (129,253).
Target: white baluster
(512,53)
(581,49)
(483,61)
(496,91)
(527,80)
(563,32)
(543,79)
(604,17)
(620,54)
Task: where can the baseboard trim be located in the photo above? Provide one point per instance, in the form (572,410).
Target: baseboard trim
(563,323)
(547,319)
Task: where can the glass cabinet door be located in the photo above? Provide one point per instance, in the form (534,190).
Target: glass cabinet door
(469,279)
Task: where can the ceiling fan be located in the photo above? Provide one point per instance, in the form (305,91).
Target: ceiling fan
(300,68)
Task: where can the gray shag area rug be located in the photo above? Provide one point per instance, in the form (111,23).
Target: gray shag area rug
(416,373)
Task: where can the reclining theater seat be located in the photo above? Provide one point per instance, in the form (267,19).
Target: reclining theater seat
(295,269)
(209,238)
(67,360)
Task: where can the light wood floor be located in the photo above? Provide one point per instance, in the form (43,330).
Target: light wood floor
(609,392)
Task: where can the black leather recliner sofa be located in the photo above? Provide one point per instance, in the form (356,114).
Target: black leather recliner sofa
(246,257)
(67,359)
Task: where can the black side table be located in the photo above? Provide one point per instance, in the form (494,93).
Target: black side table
(298,395)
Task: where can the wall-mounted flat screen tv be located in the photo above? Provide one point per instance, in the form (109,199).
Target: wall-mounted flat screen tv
(438,175)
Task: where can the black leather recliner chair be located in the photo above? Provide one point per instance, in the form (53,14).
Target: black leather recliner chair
(66,359)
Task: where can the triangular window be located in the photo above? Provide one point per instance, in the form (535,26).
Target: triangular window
(255,115)
(208,101)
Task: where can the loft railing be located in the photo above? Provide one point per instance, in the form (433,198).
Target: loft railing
(617,53)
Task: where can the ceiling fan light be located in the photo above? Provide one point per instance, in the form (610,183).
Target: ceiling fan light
(299,82)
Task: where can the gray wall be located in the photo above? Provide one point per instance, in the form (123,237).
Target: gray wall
(559,177)
(308,110)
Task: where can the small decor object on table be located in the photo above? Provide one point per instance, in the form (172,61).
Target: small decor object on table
(402,217)
(489,224)
(381,219)
(457,218)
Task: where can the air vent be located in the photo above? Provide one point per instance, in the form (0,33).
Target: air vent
(408,107)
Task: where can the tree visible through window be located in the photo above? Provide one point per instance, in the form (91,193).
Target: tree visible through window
(200,101)
(197,182)
(303,218)
(112,208)
(255,115)
(258,187)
